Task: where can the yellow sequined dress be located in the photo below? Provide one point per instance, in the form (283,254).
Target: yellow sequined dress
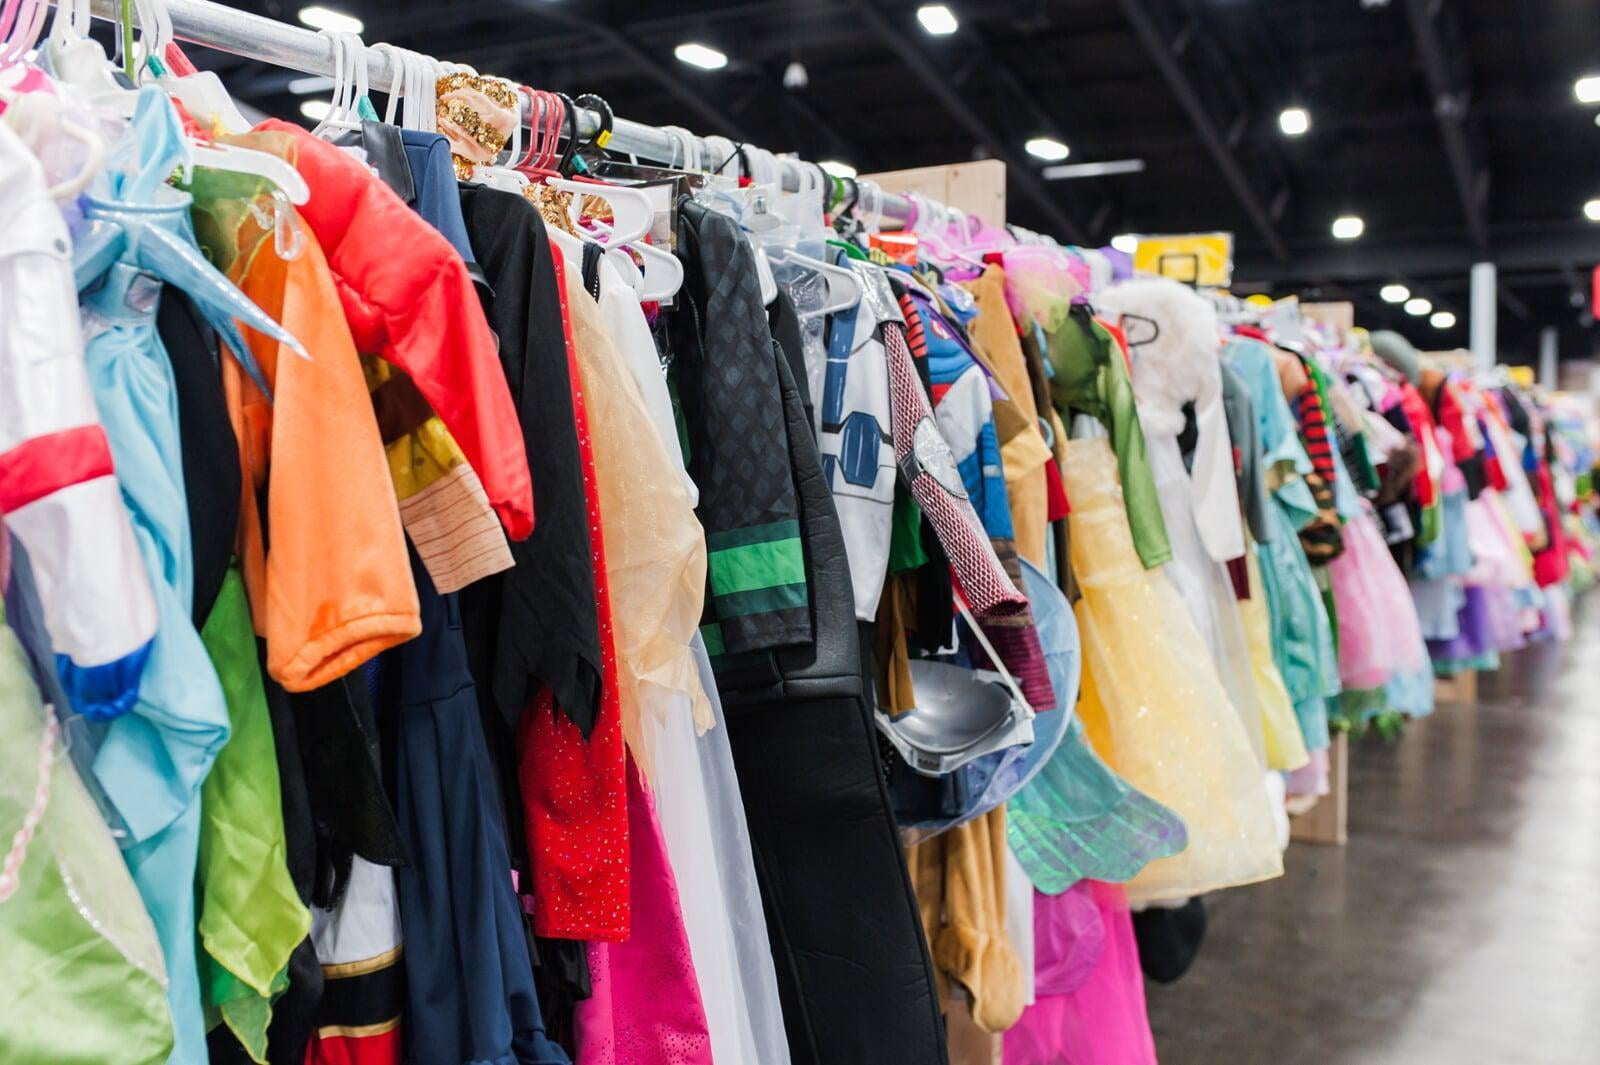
(1152,702)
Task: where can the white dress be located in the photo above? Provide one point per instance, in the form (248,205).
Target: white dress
(1176,359)
(683,743)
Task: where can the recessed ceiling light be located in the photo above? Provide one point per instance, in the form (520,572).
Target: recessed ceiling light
(1126,243)
(1443,320)
(315,110)
(1591,210)
(1417,306)
(700,55)
(1394,293)
(838,169)
(1587,89)
(1348,227)
(1048,149)
(938,19)
(326,18)
(1294,121)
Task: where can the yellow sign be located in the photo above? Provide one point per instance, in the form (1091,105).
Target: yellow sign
(1201,259)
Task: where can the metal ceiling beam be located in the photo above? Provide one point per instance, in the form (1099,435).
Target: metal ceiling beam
(897,40)
(1450,110)
(717,121)
(1160,51)
(1512,302)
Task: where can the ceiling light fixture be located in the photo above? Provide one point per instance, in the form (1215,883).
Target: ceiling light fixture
(326,18)
(838,169)
(1126,243)
(1348,227)
(316,110)
(937,19)
(309,84)
(1591,210)
(700,55)
(1108,168)
(1047,148)
(1443,320)
(1417,306)
(1587,89)
(1294,121)
(1394,293)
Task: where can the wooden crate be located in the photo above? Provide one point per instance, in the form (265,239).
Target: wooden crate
(978,188)
(1461,688)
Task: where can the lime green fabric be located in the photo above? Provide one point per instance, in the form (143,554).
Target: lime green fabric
(251,918)
(1090,375)
(905,541)
(85,983)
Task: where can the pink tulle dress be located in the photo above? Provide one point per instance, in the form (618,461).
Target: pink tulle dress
(1089,992)
(1380,635)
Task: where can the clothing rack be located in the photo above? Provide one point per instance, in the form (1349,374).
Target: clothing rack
(266,40)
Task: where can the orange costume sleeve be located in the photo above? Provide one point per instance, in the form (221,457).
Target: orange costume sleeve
(327,574)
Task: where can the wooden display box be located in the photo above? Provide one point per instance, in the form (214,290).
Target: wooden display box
(978,188)
(1460,688)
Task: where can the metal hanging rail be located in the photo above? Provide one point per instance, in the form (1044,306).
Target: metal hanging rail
(266,40)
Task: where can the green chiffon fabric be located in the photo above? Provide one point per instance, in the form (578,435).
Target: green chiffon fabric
(251,917)
(1089,375)
(85,983)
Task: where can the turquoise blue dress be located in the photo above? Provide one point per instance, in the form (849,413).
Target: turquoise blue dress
(1302,635)
(151,762)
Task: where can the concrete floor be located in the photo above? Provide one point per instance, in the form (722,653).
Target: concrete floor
(1461,926)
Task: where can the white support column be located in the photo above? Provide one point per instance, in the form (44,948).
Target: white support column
(1549,354)
(1485,307)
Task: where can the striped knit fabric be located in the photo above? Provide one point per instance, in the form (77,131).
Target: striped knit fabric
(1314,428)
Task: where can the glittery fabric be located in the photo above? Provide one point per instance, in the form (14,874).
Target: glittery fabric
(477,115)
(1153,704)
(574,792)
(645,1006)
(1075,819)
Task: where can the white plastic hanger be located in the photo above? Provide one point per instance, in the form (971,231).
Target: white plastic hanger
(25,21)
(663,272)
(78,60)
(844,289)
(632,213)
(236,160)
(29,111)
(349,84)
(202,93)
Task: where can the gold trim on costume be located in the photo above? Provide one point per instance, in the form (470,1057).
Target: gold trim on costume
(346,969)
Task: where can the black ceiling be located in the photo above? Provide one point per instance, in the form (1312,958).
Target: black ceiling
(1450,126)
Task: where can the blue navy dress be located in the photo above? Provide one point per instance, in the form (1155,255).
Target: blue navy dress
(469,971)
